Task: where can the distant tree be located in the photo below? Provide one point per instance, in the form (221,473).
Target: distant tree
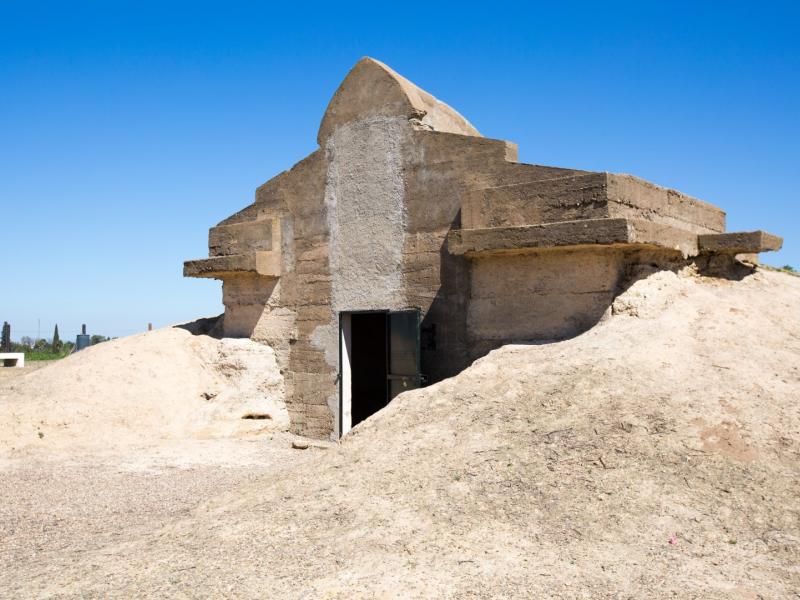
(41,344)
(26,341)
(56,340)
(5,340)
(97,339)
(789,268)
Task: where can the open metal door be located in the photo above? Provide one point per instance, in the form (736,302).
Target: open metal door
(345,374)
(403,352)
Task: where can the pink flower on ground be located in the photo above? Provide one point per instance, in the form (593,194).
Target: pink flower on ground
(673,540)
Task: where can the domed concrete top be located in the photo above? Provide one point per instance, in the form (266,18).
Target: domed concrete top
(371,89)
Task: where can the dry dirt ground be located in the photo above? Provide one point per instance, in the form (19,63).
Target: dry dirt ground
(30,366)
(655,456)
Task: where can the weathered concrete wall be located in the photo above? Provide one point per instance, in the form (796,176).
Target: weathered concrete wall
(307,291)
(439,168)
(365,210)
(542,296)
(294,308)
(553,294)
(245,297)
(312,378)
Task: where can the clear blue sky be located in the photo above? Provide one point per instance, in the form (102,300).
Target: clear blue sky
(128,129)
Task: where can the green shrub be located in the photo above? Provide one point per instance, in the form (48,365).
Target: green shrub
(45,353)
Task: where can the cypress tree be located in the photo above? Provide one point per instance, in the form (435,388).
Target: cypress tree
(56,340)
(5,342)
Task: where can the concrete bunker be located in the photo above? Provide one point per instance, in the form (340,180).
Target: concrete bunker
(407,218)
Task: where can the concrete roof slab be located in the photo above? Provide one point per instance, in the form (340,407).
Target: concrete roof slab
(740,242)
(571,234)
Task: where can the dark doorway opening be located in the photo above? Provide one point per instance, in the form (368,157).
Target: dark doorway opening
(368,365)
(378,359)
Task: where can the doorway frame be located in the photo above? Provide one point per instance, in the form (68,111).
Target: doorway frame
(344,375)
(345,372)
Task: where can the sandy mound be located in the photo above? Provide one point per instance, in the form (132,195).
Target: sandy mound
(656,456)
(136,390)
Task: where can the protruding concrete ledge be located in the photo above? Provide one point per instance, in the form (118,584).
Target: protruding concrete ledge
(567,234)
(740,242)
(266,263)
(587,196)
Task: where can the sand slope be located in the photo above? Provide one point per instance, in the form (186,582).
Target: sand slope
(136,390)
(656,456)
